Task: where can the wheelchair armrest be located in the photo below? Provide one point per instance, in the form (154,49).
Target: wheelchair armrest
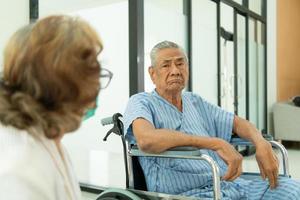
(177,151)
(236,140)
(185,153)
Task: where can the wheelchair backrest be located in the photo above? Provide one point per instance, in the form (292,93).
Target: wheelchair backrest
(139,182)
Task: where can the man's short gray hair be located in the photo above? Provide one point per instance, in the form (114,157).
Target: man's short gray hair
(164,45)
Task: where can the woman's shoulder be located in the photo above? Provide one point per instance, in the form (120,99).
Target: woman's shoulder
(14,140)
(20,150)
(24,165)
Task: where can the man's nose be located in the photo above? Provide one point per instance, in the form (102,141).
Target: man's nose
(174,69)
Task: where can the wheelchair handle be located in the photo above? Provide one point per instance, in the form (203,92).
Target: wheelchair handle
(107,121)
(118,125)
(110,120)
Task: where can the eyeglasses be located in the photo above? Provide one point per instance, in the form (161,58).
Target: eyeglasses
(105,78)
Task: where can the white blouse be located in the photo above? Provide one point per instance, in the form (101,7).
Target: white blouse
(33,167)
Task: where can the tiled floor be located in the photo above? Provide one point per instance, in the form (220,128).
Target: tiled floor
(249,164)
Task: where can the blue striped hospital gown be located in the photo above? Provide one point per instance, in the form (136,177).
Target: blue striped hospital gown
(193,177)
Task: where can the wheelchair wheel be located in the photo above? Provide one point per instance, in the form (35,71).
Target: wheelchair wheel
(117,194)
(108,198)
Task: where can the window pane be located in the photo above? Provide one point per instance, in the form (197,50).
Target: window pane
(239,1)
(256,6)
(253,98)
(261,75)
(241,65)
(163,20)
(256,74)
(204,50)
(227,61)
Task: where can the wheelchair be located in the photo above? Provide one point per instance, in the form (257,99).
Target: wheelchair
(136,188)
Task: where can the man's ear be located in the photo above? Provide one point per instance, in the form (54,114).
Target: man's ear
(151,73)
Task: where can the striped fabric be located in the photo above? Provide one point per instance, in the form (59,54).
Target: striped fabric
(192,177)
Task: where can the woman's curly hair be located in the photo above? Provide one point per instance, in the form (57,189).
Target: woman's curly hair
(50,76)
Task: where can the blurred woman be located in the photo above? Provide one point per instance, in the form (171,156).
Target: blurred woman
(49,82)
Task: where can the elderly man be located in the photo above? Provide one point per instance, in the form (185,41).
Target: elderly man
(169,117)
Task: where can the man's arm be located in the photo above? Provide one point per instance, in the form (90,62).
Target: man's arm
(153,140)
(266,159)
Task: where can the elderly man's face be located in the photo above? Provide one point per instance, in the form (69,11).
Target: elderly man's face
(170,73)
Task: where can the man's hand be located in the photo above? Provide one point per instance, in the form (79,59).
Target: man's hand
(267,162)
(266,159)
(232,158)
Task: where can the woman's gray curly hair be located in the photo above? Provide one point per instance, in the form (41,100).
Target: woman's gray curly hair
(51,75)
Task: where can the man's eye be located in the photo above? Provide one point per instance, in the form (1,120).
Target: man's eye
(164,66)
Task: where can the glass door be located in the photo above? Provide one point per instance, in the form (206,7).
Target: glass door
(205,50)
(257,86)
(240,63)
(227,71)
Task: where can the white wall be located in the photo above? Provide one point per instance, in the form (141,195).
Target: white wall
(163,20)
(48,7)
(272,60)
(13,15)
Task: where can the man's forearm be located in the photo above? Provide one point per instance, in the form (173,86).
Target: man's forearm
(154,140)
(163,139)
(246,130)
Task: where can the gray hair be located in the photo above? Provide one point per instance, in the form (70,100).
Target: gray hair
(164,45)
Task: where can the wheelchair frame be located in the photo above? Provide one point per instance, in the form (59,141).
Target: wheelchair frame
(179,152)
